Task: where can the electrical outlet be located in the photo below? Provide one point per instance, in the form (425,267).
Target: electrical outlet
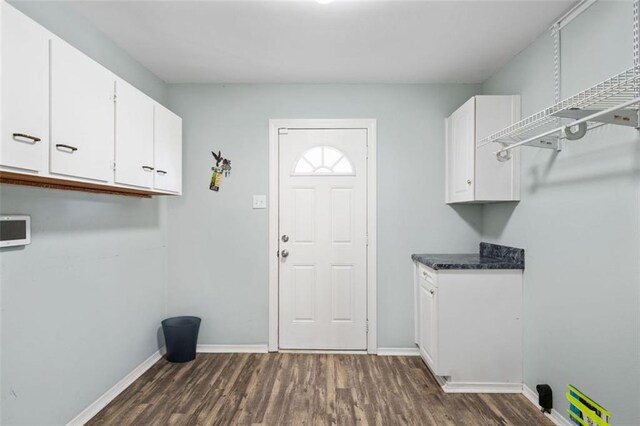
(259,201)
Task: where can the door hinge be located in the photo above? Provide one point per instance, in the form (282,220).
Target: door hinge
(367,326)
(283,131)
(113,166)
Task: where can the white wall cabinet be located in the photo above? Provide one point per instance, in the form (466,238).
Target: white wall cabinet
(69,123)
(473,174)
(134,137)
(82,115)
(25,92)
(469,328)
(168,150)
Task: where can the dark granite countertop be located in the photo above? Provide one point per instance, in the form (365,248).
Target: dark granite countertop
(490,256)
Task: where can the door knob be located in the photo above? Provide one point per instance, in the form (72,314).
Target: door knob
(285,238)
(285,253)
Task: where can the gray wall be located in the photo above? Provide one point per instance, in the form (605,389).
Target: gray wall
(81,304)
(578,221)
(218,244)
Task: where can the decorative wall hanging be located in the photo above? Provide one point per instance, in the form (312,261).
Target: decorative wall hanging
(220,170)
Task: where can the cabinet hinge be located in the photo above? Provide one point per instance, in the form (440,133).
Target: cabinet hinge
(367,326)
(283,131)
(113,166)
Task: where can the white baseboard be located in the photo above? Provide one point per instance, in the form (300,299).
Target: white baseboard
(227,349)
(321,351)
(481,387)
(398,352)
(555,416)
(112,393)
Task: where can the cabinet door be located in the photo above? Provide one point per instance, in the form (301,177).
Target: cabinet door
(428,324)
(167,150)
(134,137)
(461,153)
(82,115)
(25,91)
(496,180)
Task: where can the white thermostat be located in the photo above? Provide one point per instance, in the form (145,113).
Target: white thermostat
(15,230)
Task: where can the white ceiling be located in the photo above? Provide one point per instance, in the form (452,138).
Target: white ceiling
(306,42)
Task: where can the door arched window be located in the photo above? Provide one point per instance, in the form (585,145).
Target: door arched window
(323,160)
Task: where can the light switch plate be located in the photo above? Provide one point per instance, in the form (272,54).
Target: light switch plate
(259,201)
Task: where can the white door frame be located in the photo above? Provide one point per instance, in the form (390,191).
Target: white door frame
(370,126)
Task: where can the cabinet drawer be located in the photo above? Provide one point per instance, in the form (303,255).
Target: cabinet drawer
(427,274)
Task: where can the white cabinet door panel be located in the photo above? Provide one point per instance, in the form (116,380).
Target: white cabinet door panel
(82,115)
(428,324)
(134,137)
(167,150)
(461,153)
(25,91)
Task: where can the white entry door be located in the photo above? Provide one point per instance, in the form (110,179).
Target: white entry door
(323,239)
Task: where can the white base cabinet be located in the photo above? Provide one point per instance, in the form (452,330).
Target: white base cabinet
(473,174)
(469,327)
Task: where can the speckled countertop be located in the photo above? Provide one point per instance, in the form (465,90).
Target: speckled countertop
(490,256)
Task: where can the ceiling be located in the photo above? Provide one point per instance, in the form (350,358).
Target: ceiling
(306,42)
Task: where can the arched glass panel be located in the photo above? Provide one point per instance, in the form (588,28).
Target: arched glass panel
(325,161)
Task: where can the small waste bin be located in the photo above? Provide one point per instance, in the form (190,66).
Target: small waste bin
(181,337)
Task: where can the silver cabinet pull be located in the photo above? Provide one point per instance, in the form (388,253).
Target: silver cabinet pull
(31,139)
(161,172)
(431,291)
(147,168)
(285,238)
(70,149)
(468,181)
(285,253)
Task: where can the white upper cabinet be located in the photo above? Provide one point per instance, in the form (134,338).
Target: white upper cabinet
(473,174)
(82,115)
(25,92)
(68,122)
(167,150)
(134,137)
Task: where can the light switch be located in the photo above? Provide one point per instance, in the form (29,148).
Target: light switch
(259,201)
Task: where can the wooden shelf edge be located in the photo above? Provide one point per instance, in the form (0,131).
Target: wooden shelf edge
(11,178)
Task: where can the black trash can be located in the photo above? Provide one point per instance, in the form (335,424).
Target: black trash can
(181,338)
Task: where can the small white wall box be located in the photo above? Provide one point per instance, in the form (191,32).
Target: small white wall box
(15,230)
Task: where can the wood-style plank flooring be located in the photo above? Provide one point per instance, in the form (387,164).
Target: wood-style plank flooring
(304,389)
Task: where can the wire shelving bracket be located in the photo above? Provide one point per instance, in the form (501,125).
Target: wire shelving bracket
(613,101)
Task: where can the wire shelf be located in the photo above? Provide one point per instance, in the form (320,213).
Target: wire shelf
(615,92)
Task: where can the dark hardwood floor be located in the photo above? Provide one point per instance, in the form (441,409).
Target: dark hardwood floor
(297,389)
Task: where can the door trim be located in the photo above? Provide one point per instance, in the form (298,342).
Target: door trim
(370,125)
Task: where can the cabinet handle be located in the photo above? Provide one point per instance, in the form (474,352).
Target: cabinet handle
(162,172)
(432,291)
(71,149)
(30,138)
(468,181)
(148,168)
